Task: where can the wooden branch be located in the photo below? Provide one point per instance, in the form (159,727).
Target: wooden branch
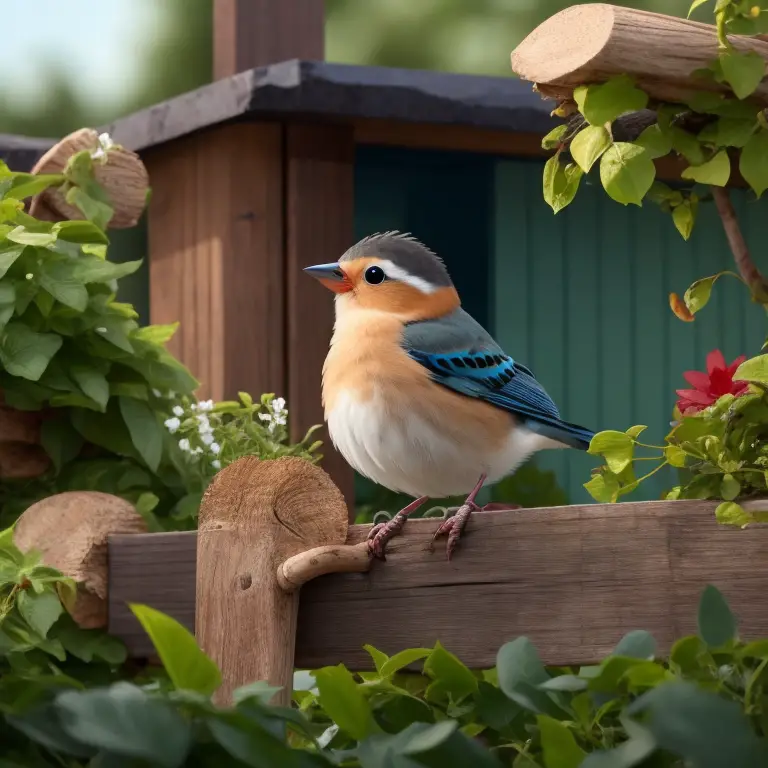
(254,516)
(305,566)
(123,177)
(751,275)
(591,43)
(70,531)
(573,579)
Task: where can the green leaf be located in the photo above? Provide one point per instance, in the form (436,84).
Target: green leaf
(601,104)
(449,673)
(675,455)
(742,71)
(731,513)
(26,185)
(94,210)
(732,131)
(187,666)
(717,624)
(684,217)
(403,659)
(8,255)
(588,145)
(25,353)
(560,183)
(753,163)
(603,487)
(80,232)
(379,658)
(343,701)
(146,432)
(687,145)
(92,382)
(555,137)
(730,487)
(23,236)
(616,448)
(558,744)
(698,294)
(40,611)
(564,683)
(123,720)
(694,5)
(755,369)
(156,334)
(715,171)
(654,141)
(637,644)
(92,269)
(636,431)
(627,173)
(58,278)
(426,737)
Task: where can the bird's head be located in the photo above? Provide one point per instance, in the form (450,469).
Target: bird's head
(393,273)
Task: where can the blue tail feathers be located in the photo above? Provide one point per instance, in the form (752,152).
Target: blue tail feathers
(571,435)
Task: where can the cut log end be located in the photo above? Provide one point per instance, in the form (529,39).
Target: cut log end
(124,179)
(291,500)
(70,530)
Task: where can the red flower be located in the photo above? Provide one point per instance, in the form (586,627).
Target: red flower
(709,386)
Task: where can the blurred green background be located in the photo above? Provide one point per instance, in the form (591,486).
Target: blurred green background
(64,65)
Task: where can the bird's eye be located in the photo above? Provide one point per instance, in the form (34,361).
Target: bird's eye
(374,275)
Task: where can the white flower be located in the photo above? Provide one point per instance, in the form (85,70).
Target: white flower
(205,405)
(272,426)
(171,394)
(204,426)
(265,416)
(197,451)
(105,144)
(216,464)
(215,448)
(172,424)
(178,410)
(184,445)
(29,275)
(193,406)
(207,438)
(278,405)
(281,420)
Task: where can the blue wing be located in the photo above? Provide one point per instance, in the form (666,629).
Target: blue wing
(460,354)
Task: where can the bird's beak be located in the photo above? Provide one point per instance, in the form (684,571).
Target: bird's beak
(332,276)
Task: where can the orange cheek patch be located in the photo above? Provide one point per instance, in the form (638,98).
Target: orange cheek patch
(338,286)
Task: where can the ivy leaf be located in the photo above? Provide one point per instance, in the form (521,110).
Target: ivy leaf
(588,145)
(730,487)
(694,5)
(637,644)
(731,513)
(753,163)
(603,487)
(684,216)
(26,185)
(560,183)
(61,441)
(92,269)
(715,171)
(615,447)
(601,104)
(79,232)
(558,744)
(732,132)
(403,659)
(23,236)
(698,294)
(189,668)
(627,173)
(675,455)
(94,210)
(58,278)
(755,369)
(344,702)
(26,353)
(654,141)
(554,138)
(687,145)
(742,71)
(449,674)
(717,624)
(8,255)
(92,382)
(156,334)
(39,610)
(146,433)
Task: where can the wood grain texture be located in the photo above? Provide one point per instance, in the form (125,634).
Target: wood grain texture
(573,579)
(254,33)
(319,228)
(254,515)
(217,258)
(590,43)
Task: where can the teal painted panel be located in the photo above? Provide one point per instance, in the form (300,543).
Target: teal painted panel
(582,297)
(131,245)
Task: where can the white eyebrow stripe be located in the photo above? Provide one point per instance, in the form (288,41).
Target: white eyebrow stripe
(398,273)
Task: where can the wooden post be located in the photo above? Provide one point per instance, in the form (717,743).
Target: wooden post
(217,256)
(590,43)
(70,530)
(253,33)
(254,516)
(319,228)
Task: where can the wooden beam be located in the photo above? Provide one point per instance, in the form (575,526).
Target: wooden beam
(217,258)
(573,579)
(591,43)
(319,228)
(254,33)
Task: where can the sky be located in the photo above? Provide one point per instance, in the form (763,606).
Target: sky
(96,39)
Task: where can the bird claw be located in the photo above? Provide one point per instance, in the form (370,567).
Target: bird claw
(454,525)
(381,533)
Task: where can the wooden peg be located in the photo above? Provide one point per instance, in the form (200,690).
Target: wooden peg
(70,530)
(254,516)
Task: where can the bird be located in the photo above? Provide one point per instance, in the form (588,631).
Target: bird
(417,395)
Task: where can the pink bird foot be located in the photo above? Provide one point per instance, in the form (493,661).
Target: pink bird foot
(454,526)
(381,533)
